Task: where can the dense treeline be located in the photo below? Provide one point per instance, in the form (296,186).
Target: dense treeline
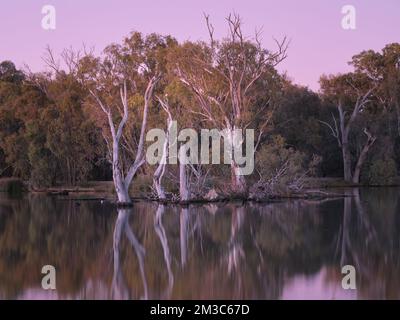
(45,135)
(85,120)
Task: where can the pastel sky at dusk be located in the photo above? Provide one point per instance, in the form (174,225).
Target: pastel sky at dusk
(318,42)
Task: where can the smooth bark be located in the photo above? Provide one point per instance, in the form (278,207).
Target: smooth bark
(160,171)
(363,155)
(184,189)
(122,182)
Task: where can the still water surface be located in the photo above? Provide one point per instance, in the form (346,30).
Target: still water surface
(285,250)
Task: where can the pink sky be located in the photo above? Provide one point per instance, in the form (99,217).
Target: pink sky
(318,42)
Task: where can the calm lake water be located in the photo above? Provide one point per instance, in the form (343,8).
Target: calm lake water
(285,250)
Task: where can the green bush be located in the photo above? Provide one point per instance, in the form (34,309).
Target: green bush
(382,172)
(279,162)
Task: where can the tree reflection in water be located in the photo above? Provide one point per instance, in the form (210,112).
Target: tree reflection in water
(233,251)
(160,230)
(119,288)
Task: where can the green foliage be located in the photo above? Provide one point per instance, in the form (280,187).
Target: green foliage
(71,137)
(52,133)
(279,163)
(43,169)
(382,172)
(45,137)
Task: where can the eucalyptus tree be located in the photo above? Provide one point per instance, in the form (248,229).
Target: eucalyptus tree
(11,124)
(233,81)
(121,83)
(384,67)
(21,105)
(351,94)
(161,168)
(174,101)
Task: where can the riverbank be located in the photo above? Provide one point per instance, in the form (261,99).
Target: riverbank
(314,188)
(334,182)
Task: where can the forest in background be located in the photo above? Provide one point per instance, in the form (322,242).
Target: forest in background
(85,116)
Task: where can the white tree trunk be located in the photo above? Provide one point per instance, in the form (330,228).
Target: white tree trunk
(122,192)
(121,188)
(184,190)
(157,178)
(363,155)
(121,182)
(238,180)
(343,139)
(341,133)
(346,161)
(234,141)
(159,173)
